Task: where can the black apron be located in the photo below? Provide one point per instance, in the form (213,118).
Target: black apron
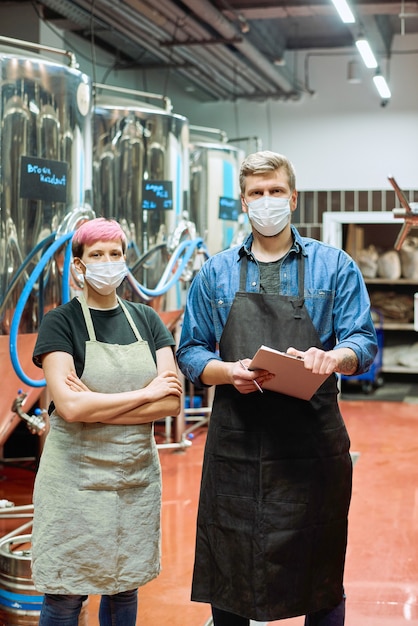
(276,480)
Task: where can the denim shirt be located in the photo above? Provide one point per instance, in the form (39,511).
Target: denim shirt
(336,299)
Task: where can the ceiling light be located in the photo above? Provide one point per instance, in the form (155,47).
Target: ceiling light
(382,86)
(344,11)
(366,52)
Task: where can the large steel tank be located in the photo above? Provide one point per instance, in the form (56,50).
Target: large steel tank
(141,172)
(46,166)
(214,187)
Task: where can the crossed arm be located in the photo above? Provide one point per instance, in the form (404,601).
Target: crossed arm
(74,402)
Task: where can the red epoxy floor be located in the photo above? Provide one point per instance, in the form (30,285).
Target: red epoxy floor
(382,559)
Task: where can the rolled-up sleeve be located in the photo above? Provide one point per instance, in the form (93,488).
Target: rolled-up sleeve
(352,318)
(197,344)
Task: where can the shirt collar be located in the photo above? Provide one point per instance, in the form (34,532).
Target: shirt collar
(297,246)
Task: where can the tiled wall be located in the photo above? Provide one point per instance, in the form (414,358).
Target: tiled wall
(312,204)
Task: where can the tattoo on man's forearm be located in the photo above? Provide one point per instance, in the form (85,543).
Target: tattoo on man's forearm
(348,364)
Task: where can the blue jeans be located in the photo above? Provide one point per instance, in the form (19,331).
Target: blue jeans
(335,617)
(117,610)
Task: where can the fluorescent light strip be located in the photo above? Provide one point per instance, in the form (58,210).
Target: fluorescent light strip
(366,52)
(344,11)
(382,86)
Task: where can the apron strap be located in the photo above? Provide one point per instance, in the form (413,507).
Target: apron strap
(89,321)
(87,317)
(243,273)
(298,302)
(130,320)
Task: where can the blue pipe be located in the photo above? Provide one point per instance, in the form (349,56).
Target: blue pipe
(164,286)
(41,244)
(66,272)
(14,329)
(172,261)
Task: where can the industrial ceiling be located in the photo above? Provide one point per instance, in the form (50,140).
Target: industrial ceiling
(228,49)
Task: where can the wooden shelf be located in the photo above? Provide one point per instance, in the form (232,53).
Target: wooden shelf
(387,281)
(355,231)
(396,326)
(398,369)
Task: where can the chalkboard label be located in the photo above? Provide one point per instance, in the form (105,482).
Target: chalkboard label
(229,208)
(43,179)
(157,195)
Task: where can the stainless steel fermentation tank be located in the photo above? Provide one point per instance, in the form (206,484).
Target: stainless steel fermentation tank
(214,187)
(140,149)
(46,167)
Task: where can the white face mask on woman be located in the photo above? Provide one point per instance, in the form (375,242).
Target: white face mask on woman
(269,215)
(106,276)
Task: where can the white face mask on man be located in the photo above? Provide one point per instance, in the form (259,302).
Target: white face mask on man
(269,215)
(105,277)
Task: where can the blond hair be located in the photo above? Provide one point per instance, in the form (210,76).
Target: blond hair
(263,162)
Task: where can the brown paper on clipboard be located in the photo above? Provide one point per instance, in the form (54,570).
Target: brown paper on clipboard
(291,377)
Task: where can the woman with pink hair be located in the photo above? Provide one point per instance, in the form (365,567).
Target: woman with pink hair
(110,371)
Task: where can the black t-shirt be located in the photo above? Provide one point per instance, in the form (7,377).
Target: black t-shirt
(64,330)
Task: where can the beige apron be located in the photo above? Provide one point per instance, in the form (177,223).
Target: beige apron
(98,488)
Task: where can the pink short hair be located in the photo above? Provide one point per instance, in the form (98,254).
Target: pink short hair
(99,229)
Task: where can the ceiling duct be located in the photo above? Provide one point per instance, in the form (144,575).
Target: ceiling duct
(206,12)
(244,78)
(160,37)
(200,46)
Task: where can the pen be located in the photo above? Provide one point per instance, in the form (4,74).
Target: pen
(254,381)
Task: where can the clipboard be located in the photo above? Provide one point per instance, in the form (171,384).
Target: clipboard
(291,378)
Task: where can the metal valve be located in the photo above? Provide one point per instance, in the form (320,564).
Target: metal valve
(35,422)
